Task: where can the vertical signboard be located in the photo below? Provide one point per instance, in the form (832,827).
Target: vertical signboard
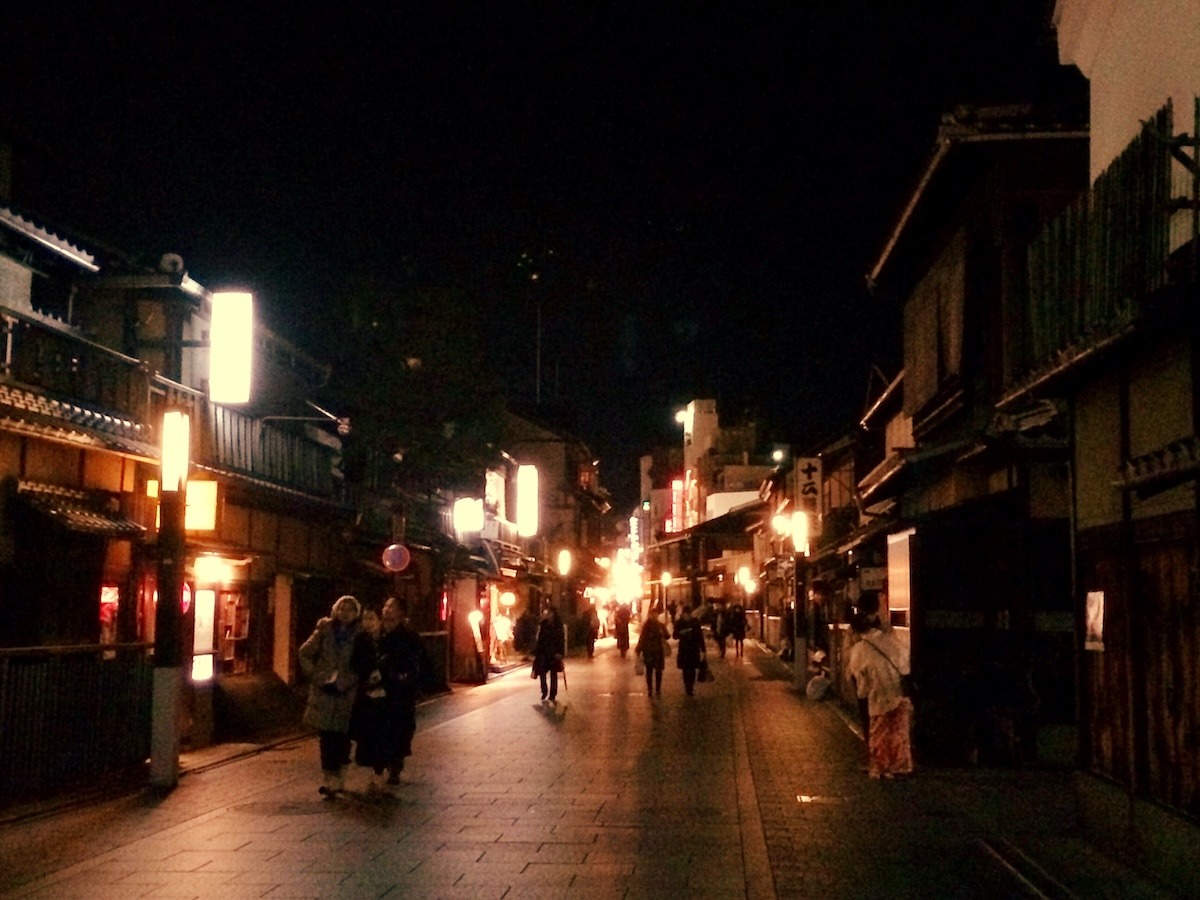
(806,490)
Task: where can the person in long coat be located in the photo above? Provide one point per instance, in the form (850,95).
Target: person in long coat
(548,652)
(329,660)
(400,663)
(651,646)
(690,634)
(369,724)
(621,628)
(737,628)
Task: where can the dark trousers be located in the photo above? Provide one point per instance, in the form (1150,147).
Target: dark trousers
(335,750)
(689,680)
(553,684)
(653,680)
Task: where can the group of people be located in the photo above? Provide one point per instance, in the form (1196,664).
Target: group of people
(363,668)
(690,658)
(729,623)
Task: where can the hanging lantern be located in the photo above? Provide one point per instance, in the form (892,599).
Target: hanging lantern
(396,557)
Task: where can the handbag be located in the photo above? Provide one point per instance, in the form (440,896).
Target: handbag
(666,649)
(705,672)
(639,667)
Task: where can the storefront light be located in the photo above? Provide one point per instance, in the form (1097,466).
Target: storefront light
(468,515)
(202,668)
(564,563)
(211,570)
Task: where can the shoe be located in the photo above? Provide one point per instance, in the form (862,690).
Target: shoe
(328,787)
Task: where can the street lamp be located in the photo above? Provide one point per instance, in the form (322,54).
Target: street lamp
(168,642)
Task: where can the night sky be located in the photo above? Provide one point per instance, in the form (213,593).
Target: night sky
(701,186)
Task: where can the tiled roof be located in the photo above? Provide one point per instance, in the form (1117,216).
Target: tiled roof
(31,229)
(86,511)
(31,412)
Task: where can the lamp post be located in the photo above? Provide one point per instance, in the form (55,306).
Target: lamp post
(168,616)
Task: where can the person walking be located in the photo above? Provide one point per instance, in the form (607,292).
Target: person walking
(399,654)
(737,628)
(690,634)
(876,663)
(369,718)
(329,661)
(720,628)
(591,630)
(548,653)
(621,628)
(651,646)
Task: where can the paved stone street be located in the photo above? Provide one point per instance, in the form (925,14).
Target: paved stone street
(746,790)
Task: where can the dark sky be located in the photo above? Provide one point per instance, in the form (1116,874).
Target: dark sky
(702,184)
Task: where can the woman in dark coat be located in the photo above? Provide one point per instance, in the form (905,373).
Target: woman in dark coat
(690,634)
(737,627)
(328,660)
(400,663)
(621,628)
(652,647)
(369,721)
(548,652)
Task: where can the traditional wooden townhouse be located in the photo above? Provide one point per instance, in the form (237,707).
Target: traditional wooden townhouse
(981,519)
(95,350)
(1109,335)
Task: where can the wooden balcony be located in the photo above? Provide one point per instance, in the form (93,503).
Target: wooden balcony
(1095,270)
(53,374)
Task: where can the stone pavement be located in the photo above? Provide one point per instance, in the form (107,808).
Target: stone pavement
(746,790)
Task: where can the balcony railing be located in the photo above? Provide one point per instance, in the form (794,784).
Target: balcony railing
(48,356)
(1090,269)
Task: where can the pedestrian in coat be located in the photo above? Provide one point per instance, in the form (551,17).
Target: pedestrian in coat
(400,663)
(369,720)
(690,634)
(621,628)
(651,647)
(737,628)
(591,630)
(548,653)
(720,628)
(329,660)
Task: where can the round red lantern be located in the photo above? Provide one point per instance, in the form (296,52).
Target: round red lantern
(396,557)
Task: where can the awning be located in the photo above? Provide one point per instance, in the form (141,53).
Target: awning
(83,511)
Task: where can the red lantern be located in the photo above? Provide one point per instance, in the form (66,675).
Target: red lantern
(396,557)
